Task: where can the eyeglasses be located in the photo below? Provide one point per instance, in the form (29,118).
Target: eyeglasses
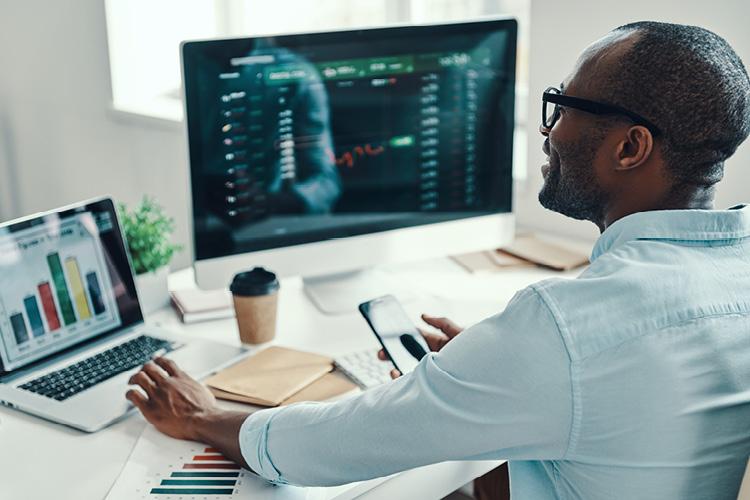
(553,98)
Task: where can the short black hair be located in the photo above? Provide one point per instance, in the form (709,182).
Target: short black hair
(692,85)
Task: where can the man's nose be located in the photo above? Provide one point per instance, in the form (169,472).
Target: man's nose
(543,130)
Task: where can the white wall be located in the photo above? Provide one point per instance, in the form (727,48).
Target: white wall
(560,30)
(59,144)
(56,133)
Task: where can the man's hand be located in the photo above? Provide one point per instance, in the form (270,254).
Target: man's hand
(173,401)
(435,341)
(183,408)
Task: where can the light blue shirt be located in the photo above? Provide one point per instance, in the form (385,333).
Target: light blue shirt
(631,381)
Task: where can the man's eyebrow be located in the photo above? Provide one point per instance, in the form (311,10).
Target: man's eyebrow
(562,87)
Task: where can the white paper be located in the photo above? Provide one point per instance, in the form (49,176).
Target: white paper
(162,468)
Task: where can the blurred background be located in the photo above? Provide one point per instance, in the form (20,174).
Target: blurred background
(90,89)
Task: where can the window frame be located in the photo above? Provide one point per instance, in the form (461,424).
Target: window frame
(165,110)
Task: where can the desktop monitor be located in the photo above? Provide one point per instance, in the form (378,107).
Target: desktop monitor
(323,153)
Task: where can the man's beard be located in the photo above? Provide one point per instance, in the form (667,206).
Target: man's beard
(578,194)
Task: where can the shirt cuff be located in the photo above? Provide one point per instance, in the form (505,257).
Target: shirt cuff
(254,445)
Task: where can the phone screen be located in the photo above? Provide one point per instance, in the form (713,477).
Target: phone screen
(395,331)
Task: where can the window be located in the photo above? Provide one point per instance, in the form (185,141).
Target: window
(144,38)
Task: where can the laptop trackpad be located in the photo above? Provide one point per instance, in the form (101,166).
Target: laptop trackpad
(201,358)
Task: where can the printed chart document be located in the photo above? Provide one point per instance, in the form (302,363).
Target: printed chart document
(170,469)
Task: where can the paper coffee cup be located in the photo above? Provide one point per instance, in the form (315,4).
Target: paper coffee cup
(255,294)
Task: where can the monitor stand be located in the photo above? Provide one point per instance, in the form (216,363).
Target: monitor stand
(341,293)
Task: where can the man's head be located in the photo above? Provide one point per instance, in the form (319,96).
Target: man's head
(685,80)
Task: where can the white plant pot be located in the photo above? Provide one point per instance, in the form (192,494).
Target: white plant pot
(153,293)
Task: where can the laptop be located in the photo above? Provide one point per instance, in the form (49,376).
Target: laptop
(71,328)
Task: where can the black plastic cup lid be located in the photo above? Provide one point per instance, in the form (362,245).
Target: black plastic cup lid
(257,281)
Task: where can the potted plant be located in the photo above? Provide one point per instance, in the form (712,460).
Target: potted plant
(147,230)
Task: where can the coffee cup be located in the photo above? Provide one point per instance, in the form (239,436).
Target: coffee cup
(255,295)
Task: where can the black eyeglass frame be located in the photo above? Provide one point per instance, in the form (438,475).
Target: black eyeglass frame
(556,97)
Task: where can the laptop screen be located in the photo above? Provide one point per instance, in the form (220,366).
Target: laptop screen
(65,279)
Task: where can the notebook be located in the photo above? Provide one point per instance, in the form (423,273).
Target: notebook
(194,304)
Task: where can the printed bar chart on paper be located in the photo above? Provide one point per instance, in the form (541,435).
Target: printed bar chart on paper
(163,468)
(196,483)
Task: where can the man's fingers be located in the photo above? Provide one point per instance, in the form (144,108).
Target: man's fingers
(395,374)
(142,380)
(435,341)
(382,356)
(137,398)
(154,372)
(169,366)
(445,325)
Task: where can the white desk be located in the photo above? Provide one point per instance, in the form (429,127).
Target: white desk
(42,460)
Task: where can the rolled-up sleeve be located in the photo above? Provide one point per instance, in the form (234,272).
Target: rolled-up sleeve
(501,389)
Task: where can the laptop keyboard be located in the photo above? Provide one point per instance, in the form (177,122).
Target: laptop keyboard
(71,380)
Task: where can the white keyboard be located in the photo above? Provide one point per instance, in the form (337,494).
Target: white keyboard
(364,368)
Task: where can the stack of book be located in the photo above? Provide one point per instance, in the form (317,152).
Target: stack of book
(194,304)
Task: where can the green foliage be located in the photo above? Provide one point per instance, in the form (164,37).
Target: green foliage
(147,229)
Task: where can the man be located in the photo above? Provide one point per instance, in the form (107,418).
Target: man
(632,381)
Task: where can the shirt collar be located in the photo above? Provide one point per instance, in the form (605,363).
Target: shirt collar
(685,225)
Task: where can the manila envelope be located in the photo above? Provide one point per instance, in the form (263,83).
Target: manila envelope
(270,376)
(325,388)
(329,386)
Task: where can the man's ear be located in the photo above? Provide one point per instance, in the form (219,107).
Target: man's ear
(635,148)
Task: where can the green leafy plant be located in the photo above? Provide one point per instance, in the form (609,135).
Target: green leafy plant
(147,229)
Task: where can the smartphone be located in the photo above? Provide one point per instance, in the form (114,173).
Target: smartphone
(401,341)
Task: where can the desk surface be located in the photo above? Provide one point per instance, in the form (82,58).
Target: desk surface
(41,460)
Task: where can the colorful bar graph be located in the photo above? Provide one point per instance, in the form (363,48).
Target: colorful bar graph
(191,491)
(63,297)
(188,482)
(19,328)
(35,318)
(79,294)
(48,304)
(95,292)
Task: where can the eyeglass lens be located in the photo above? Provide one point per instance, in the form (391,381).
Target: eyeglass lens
(551,114)
(551,110)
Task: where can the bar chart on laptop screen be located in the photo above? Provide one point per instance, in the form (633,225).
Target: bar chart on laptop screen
(55,286)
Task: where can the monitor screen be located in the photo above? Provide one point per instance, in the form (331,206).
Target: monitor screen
(65,279)
(302,138)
